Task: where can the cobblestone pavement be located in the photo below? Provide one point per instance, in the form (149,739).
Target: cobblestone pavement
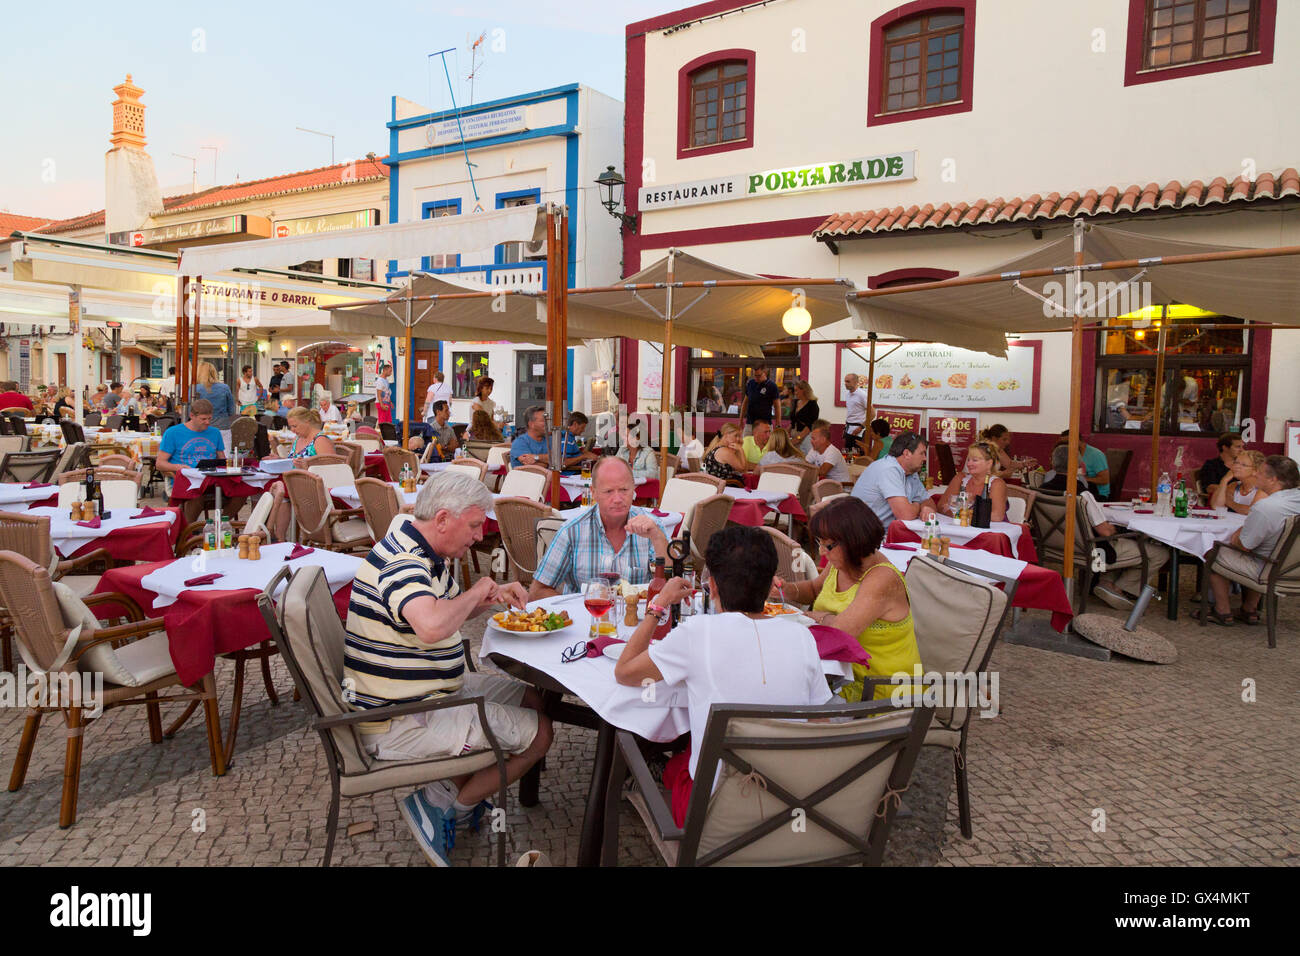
(1184,770)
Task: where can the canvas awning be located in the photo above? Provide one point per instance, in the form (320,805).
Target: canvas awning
(1259,289)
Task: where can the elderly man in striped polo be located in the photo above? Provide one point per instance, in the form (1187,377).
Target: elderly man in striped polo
(404,644)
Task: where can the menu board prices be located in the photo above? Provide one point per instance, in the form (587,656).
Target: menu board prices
(939,376)
(958,432)
(901,421)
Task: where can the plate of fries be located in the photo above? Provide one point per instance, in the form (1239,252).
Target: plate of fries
(538,621)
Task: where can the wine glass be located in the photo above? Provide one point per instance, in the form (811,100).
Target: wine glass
(1144,494)
(597,598)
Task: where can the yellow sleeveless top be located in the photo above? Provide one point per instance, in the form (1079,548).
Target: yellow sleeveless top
(891,644)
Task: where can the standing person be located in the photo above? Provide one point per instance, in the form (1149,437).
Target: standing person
(482,400)
(855,412)
(439,391)
(737,656)
(755,443)
(168,387)
(383,407)
(249,388)
(1241,491)
(277,379)
(828,459)
(891,486)
(530,448)
(978,478)
(404,643)
(1220,467)
(804,413)
(760,399)
(209,386)
(383,381)
(443,434)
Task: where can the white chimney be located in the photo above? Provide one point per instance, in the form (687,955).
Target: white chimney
(131,193)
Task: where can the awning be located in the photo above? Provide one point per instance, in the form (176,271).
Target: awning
(481,232)
(979,316)
(141,350)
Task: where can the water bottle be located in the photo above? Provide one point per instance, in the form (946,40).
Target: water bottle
(227,534)
(1164,494)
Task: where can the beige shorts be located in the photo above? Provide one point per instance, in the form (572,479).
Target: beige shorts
(457,730)
(1239,562)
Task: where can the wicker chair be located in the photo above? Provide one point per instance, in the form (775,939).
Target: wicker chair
(517,519)
(379,504)
(682,493)
(704,478)
(395,458)
(60,636)
(806,473)
(318,521)
(826,488)
(474,465)
(792,561)
(355,455)
(124,462)
(1279,573)
(708,515)
(243,435)
(527,481)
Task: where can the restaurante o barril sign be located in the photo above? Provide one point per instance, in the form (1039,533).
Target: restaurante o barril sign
(868,171)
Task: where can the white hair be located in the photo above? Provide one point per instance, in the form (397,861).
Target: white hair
(453,490)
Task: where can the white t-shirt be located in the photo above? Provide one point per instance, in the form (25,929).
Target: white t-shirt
(438,392)
(168,386)
(381,385)
(855,412)
(247,391)
(839,471)
(329,415)
(732,659)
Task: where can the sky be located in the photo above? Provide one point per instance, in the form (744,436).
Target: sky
(242,75)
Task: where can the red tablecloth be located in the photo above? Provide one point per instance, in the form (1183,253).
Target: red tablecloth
(142,540)
(993,541)
(376,467)
(231,487)
(647,491)
(201,624)
(752,511)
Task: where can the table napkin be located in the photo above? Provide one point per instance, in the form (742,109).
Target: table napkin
(202,579)
(92,523)
(597,646)
(298,552)
(660,514)
(836,645)
(148,512)
(1144,511)
(901,547)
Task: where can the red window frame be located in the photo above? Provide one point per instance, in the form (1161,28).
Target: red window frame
(684,120)
(1136,71)
(876,62)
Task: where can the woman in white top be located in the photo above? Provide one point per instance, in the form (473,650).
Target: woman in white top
(329,412)
(1240,492)
(481,399)
(977,479)
(639,458)
(780,450)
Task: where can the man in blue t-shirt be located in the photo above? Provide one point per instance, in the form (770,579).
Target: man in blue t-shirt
(530,448)
(760,401)
(184,446)
(1095,465)
(572,448)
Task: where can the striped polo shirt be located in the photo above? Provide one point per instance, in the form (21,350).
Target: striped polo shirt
(382,655)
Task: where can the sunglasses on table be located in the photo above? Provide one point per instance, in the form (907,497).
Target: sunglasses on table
(577,652)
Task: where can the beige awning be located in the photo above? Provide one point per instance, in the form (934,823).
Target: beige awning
(978,317)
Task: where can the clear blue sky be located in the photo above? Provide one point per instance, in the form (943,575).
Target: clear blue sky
(268,67)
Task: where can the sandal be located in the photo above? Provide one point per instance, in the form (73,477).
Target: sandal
(1249,618)
(1223,620)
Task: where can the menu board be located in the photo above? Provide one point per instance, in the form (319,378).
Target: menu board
(939,376)
(902,420)
(957,431)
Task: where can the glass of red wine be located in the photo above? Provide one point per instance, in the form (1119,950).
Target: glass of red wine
(597,598)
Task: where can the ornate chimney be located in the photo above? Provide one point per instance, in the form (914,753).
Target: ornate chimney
(131,193)
(128,115)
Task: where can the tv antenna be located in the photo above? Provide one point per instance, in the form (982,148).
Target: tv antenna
(317,132)
(478,205)
(475,61)
(194,171)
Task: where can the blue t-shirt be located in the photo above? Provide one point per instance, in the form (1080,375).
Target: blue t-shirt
(526,444)
(1094,463)
(188,447)
(884,479)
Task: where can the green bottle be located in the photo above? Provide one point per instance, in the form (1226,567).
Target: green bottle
(1180,498)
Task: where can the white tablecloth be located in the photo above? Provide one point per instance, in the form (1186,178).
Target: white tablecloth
(192,477)
(349,494)
(434,467)
(974,558)
(1193,535)
(67,536)
(275,466)
(960,535)
(14,497)
(169,581)
(592,678)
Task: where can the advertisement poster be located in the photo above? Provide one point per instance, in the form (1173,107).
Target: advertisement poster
(902,420)
(939,376)
(957,431)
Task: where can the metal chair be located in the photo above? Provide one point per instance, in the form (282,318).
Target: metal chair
(12,443)
(388,432)
(28,466)
(75,456)
(18,421)
(94,419)
(310,636)
(845,778)
(1047,521)
(114,422)
(72,432)
(1278,574)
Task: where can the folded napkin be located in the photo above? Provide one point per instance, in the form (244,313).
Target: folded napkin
(901,547)
(39,484)
(836,645)
(597,646)
(298,552)
(202,579)
(660,514)
(148,512)
(1144,511)
(92,523)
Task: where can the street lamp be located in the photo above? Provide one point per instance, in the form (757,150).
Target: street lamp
(611,184)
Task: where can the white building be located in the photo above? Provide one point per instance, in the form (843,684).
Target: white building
(547,146)
(884,142)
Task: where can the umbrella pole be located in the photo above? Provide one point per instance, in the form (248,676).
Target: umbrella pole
(182,357)
(557,283)
(1076,403)
(410,371)
(198,310)
(665,399)
(863,441)
(77,375)
(1158,408)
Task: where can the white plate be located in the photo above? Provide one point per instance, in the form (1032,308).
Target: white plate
(614,651)
(491,622)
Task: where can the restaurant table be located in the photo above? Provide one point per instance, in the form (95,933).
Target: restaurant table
(17,496)
(223,617)
(123,535)
(536,659)
(1195,535)
(571,487)
(434,467)
(750,507)
(1000,537)
(1037,588)
(376,467)
(243,483)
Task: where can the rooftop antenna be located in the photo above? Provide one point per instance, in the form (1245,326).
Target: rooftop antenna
(478,205)
(215,150)
(475,52)
(194,171)
(319,133)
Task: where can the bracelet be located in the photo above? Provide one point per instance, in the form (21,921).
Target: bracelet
(660,613)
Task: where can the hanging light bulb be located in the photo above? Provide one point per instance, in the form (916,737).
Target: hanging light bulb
(797,320)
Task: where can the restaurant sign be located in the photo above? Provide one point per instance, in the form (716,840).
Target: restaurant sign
(254,226)
(335,222)
(513,119)
(939,376)
(868,171)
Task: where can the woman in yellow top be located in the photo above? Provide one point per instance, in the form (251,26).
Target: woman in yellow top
(860,592)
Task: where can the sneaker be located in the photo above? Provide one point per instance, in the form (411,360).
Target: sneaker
(1115,599)
(476,817)
(429,824)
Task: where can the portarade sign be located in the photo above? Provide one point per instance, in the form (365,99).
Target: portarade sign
(867,171)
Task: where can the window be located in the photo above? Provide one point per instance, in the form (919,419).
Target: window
(718,380)
(438,209)
(715,103)
(921,61)
(512,252)
(1206,375)
(466,369)
(1168,39)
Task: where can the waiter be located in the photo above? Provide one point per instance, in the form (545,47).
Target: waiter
(760,399)
(855,414)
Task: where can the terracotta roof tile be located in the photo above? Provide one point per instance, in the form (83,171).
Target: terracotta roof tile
(12,222)
(1110,200)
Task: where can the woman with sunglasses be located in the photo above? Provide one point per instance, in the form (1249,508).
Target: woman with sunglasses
(978,479)
(860,592)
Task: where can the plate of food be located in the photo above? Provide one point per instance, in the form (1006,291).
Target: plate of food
(776,608)
(539,620)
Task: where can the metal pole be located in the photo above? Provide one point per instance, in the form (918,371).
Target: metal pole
(197,293)
(181,358)
(1076,402)
(77,378)
(556,284)
(864,440)
(410,365)
(117,354)
(1158,408)
(666,386)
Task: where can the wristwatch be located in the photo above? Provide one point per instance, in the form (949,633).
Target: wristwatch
(661,614)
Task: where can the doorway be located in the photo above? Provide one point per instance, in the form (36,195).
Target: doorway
(61,369)
(530,383)
(426,363)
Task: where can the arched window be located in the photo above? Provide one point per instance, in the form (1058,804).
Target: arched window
(715,103)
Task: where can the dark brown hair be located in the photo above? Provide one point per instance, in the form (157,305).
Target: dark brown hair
(851,524)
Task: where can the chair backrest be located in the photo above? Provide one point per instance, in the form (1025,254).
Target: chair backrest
(336,475)
(18,421)
(12,443)
(826,488)
(517,519)
(682,493)
(29,465)
(379,503)
(114,422)
(804,471)
(369,432)
(369,421)
(1016,509)
(471,465)
(6,427)
(957,619)
(705,479)
(28,595)
(1117,462)
(498,455)
(388,431)
(773,758)
(545,531)
(121,488)
(480,449)
(947,467)
(368,445)
(1047,520)
(708,515)
(257,518)
(311,503)
(75,455)
(310,636)
(395,458)
(125,462)
(693,464)
(72,432)
(792,561)
(355,455)
(277,521)
(529,481)
(1024,495)
(243,434)
(28,535)
(1284,560)
(771,480)
(94,419)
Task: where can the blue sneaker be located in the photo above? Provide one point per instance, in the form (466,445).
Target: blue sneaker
(429,824)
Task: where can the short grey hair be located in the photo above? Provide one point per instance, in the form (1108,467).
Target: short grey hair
(1061,458)
(454,490)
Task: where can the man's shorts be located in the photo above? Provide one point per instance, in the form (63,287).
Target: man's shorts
(456,730)
(1249,566)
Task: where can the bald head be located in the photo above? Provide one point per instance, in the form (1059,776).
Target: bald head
(609,469)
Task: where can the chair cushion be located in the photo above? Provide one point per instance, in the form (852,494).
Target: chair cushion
(1240,567)
(140,662)
(82,585)
(353,529)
